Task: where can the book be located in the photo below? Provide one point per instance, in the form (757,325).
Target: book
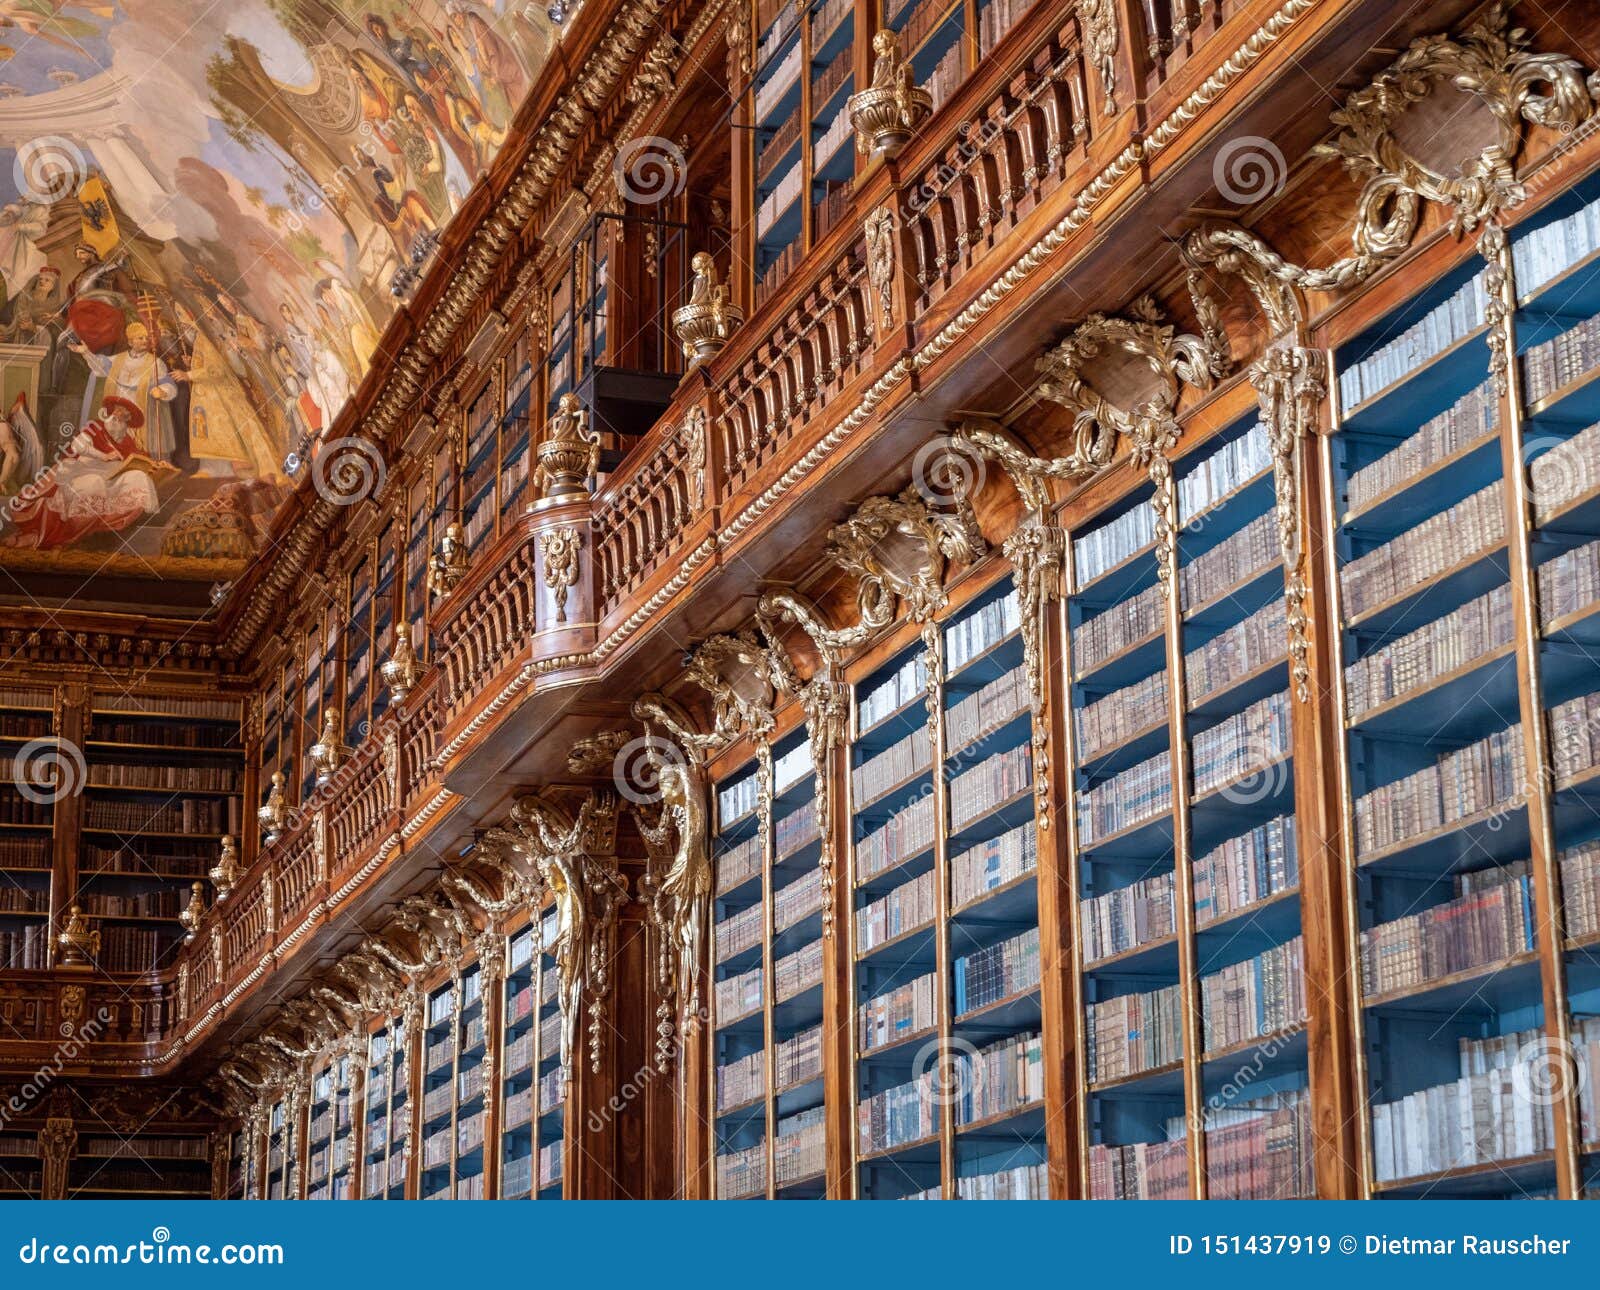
(1117,921)
(1261,996)
(1441,327)
(1412,662)
(1245,870)
(1424,551)
(1472,418)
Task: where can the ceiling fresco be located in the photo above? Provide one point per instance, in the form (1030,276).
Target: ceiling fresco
(201,211)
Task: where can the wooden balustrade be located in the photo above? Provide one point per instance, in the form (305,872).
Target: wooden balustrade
(811,352)
(295,873)
(488,626)
(249,926)
(1017,148)
(639,521)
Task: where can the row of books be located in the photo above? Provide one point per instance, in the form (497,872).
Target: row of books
(1420,553)
(1134,1033)
(972,634)
(1246,742)
(945,78)
(24,900)
(14,697)
(798,972)
(739,996)
(738,932)
(1117,921)
(1261,1149)
(1122,713)
(1490,920)
(16,809)
(772,89)
(1484,775)
(175,709)
(795,830)
(986,710)
(1485,1115)
(1140,1170)
(789,768)
(909,682)
(203,779)
(1565,473)
(1020,1182)
(1441,327)
(1237,557)
(896,1116)
(1261,996)
(908,832)
(516,1177)
(738,799)
(1580,890)
(1575,736)
(997,972)
(144,904)
(24,725)
(782,195)
(22,852)
(739,863)
(777,144)
(1413,661)
(992,783)
(1130,797)
(1232,655)
(799,1146)
(800,899)
(550,1156)
(907,1009)
(1223,471)
(1569,582)
(994,863)
(999,1077)
(1471,418)
(892,767)
(1252,867)
(25,947)
(1102,549)
(192,815)
(798,1059)
(902,909)
(1125,623)
(132,949)
(741,1172)
(1542,254)
(1561,360)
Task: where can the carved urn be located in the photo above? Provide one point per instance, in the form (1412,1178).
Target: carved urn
(274,814)
(402,669)
(78,942)
(226,871)
(704,324)
(328,753)
(194,913)
(885,114)
(569,454)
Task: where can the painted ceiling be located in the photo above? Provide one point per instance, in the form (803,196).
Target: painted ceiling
(201,211)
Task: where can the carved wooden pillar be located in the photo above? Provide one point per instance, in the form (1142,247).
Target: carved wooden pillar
(58,1140)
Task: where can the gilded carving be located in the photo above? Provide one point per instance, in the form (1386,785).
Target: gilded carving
(328,753)
(402,669)
(1097,21)
(677,889)
(224,874)
(704,324)
(447,566)
(1120,378)
(560,548)
(694,438)
(274,813)
(880,260)
(1444,122)
(596,752)
(885,114)
(393,789)
(576,865)
(569,453)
